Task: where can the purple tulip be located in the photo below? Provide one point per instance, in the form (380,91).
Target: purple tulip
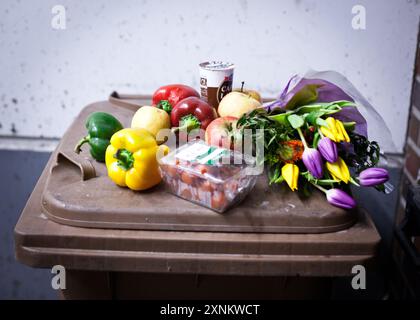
(313,162)
(328,149)
(339,198)
(373,176)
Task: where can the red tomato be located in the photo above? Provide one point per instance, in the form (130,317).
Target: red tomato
(187,177)
(186,194)
(172,171)
(218,200)
(202,168)
(207,186)
(174,184)
(232,186)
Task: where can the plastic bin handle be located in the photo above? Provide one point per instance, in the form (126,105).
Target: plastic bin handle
(129,101)
(86,167)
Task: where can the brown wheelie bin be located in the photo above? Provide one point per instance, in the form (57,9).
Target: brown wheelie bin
(117,243)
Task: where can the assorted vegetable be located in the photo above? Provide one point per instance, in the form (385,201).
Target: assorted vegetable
(100,127)
(314,138)
(192,113)
(167,97)
(130,154)
(131,159)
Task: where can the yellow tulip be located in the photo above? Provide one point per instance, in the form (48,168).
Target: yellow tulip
(342,131)
(339,170)
(328,134)
(335,130)
(290,173)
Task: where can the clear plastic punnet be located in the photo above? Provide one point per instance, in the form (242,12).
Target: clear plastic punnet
(213,177)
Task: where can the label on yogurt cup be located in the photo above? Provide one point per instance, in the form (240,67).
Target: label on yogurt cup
(224,88)
(216,78)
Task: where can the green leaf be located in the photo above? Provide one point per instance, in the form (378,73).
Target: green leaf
(295,121)
(309,108)
(306,95)
(317,137)
(380,187)
(349,126)
(279,180)
(271,140)
(333,106)
(332,110)
(273,175)
(281,117)
(344,103)
(321,122)
(313,116)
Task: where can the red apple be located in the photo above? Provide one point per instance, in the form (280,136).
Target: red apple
(222,132)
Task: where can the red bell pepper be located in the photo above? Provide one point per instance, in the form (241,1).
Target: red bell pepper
(192,113)
(167,97)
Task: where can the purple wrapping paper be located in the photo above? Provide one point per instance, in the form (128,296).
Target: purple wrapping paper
(327,86)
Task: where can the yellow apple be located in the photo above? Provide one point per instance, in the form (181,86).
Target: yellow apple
(235,104)
(253,93)
(152,119)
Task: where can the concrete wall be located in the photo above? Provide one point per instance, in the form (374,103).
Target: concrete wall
(48,75)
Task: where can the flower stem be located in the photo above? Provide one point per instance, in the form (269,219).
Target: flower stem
(354,181)
(319,187)
(302,138)
(326,182)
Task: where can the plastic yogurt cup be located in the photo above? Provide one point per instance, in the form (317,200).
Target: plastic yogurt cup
(216,78)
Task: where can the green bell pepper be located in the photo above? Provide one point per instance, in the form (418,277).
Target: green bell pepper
(100,126)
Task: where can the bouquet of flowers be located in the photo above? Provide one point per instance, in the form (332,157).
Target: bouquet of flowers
(315,137)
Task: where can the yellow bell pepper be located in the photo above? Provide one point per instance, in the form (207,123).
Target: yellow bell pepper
(290,173)
(339,170)
(131,159)
(335,130)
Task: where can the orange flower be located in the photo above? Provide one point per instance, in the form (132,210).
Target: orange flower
(291,151)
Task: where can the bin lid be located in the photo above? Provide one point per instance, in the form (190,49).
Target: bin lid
(42,243)
(78,192)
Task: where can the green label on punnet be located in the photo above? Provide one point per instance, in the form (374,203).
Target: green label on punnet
(202,154)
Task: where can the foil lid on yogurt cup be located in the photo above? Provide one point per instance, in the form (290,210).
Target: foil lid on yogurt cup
(216,65)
